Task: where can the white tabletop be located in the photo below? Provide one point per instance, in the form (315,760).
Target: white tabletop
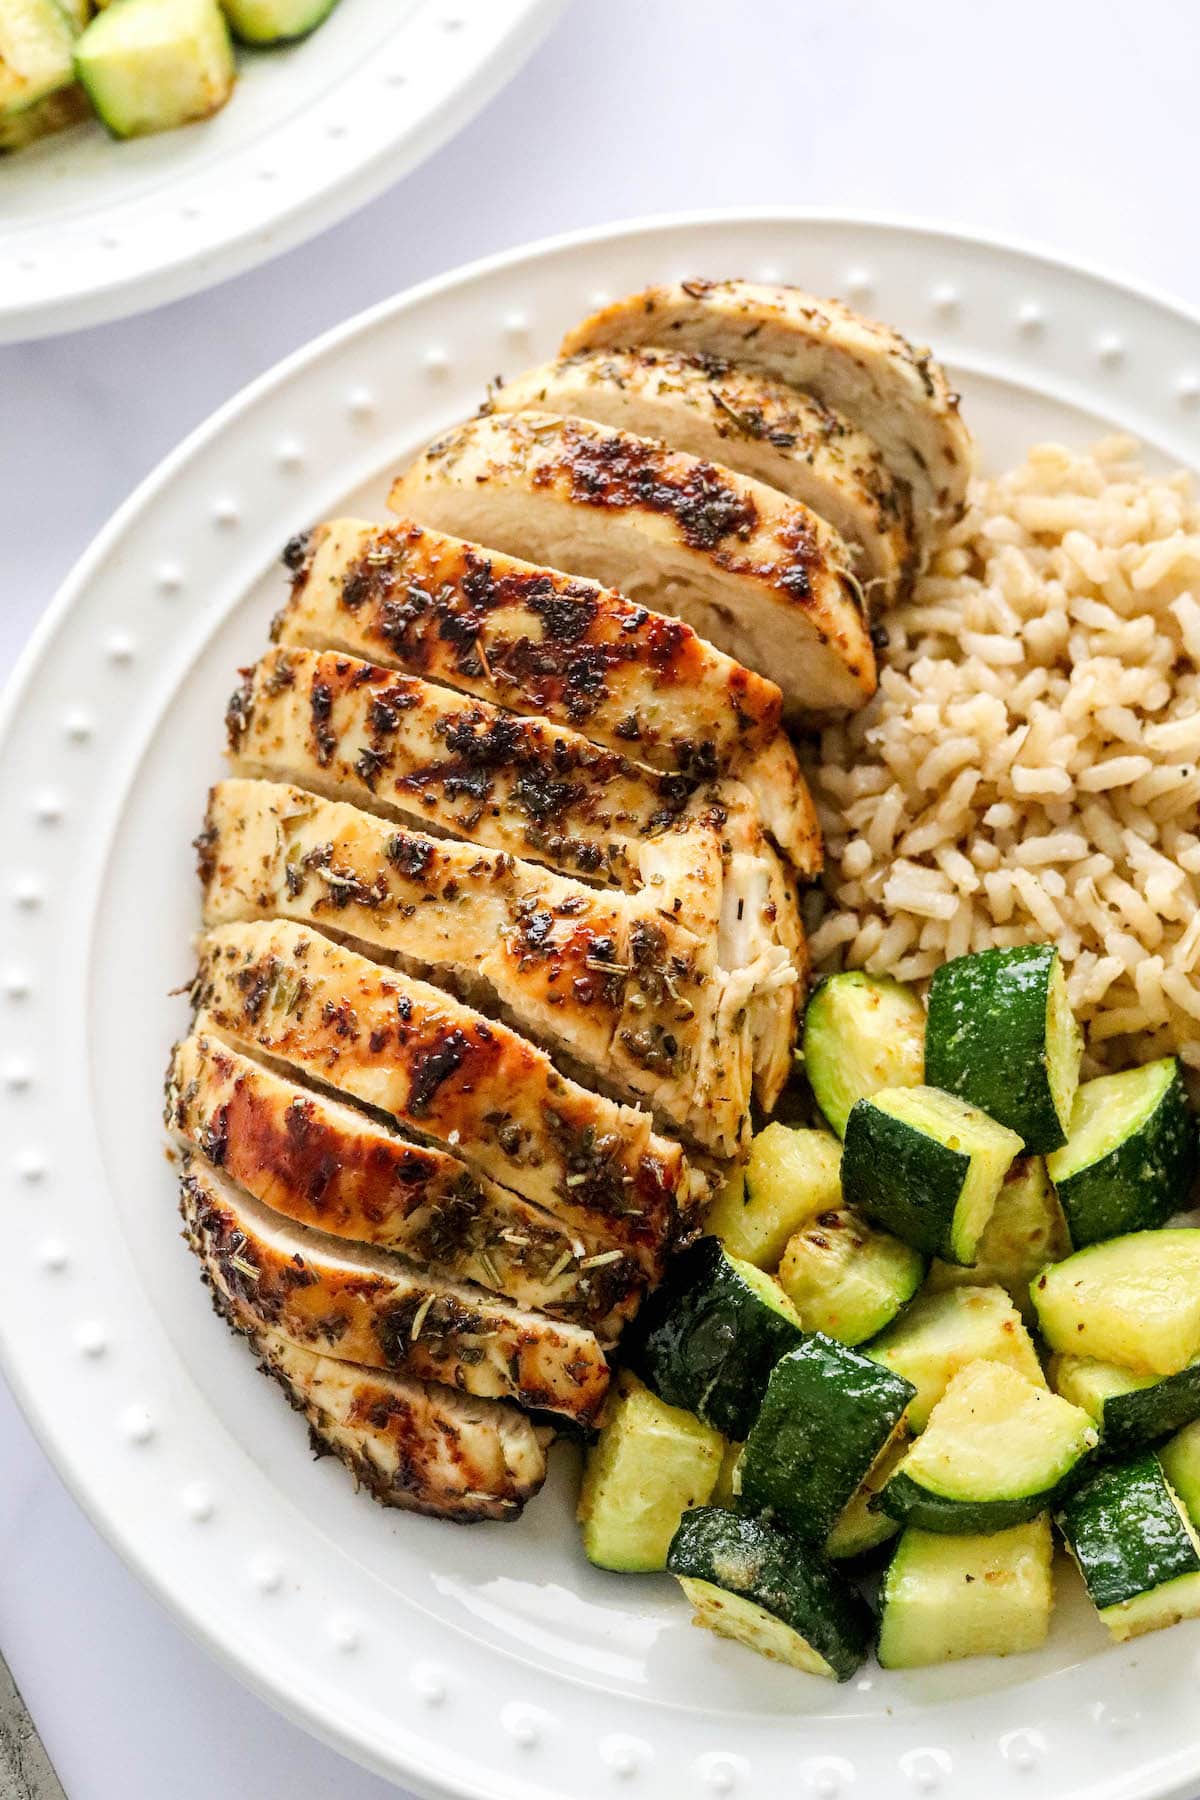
(1063,122)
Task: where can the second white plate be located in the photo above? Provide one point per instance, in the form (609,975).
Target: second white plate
(95,229)
(491,1663)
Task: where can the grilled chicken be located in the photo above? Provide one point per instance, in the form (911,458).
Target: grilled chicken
(529,639)
(334,1168)
(865,371)
(360,1305)
(455,1078)
(614,985)
(542,790)
(746,421)
(409,1443)
(757,574)
(432,758)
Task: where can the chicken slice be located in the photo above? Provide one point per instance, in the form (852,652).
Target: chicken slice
(411,1444)
(610,983)
(431,758)
(457,1079)
(866,371)
(756,574)
(530,639)
(746,421)
(332,1167)
(359,1305)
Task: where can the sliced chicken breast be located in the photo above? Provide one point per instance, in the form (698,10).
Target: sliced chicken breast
(866,371)
(530,639)
(359,1305)
(410,1444)
(452,1076)
(329,1166)
(613,984)
(746,421)
(433,759)
(756,574)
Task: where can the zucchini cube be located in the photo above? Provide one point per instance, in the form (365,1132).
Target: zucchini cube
(1130,1160)
(36,51)
(1135,1547)
(649,1464)
(1001,1035)
(753,1583)
(1025,1232)
(997,1451)
(942,1333)
(1132,1300)
(1132,1410)
(846,1278)
(927,1167)
(861,1033)
(790,1176)
(949,1597)
(150,65)
(827,1415)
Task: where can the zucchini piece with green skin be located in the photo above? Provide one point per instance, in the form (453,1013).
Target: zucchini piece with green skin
(150,65)
(1135,1547)
(1180,1458)
(927,1167)
(861,1033)
(942,1333)
(997,1451)
(790,1176)
(1130,1159)
(982,1595)
(1131,1300)
(649,1464)
(1132,1411)
(264,22)
(827,1415)
(1025,1232)
(65,107)
(753,1583)
(1002,1036)
(862,1526)
(709,1336)
(848,1279)
(37,44)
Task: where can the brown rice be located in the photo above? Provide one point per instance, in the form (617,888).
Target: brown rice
(1030,768)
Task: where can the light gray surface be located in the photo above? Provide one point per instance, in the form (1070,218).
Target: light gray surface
(1064,123)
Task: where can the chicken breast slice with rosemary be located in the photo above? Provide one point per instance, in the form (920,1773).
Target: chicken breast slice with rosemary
(411,1444)
(746,421)
(329,1166)
(527,638)
(457,1079)
(434,759)
(359,1305)
(863,370)
(756,574)
(612,985)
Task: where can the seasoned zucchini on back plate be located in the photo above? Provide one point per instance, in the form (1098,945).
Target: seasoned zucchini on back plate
(861,1033)
(1002,1036)
(36,50)
(275,21)
(650,1463)
(708,1338)
(791,1175)
(997,1451)
(827,1415)
(1135,1548)
(983,1595)
(149,65)
(1130,1160)
(752,1582)
(927,1167)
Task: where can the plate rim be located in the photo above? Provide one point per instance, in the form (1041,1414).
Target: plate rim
(425,1778)
(270,234)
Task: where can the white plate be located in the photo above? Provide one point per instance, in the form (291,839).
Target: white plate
(95,229)
(490,1662)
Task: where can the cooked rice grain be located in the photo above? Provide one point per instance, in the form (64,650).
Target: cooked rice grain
(1028,769)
